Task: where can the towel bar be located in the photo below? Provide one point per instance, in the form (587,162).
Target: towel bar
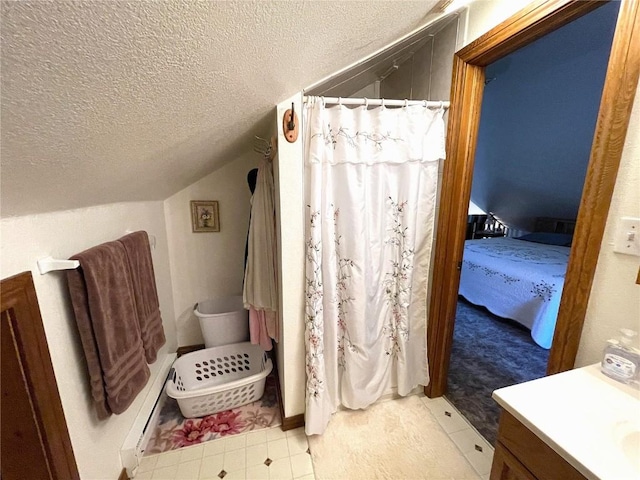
(49,264)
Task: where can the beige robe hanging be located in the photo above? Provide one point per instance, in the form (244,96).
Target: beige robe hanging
(260,287)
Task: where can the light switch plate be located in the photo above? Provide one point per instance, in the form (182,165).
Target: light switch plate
(627,239)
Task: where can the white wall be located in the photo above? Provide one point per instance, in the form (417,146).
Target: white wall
(96,444)
(615,299)
(370,91)
(290,214)
(483,15)
(211,264)
(427,74)
(445,43)
(405,82)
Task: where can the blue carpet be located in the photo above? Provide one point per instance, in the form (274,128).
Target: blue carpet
(489,352)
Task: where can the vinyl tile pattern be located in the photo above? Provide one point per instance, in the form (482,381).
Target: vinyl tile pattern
(407,438)
(172,431)
(264,455)
(467,454)
(473,446)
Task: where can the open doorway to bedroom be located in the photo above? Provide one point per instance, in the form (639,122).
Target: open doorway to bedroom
(539,110)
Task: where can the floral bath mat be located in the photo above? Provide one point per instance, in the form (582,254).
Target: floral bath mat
(173,431)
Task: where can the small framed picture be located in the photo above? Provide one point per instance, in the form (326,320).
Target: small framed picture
(205,216)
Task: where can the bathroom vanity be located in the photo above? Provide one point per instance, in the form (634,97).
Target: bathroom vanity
(574,425)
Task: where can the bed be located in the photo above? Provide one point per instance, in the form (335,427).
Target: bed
(519,279)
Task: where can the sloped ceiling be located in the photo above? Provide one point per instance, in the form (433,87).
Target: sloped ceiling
(108,102)
(539,112)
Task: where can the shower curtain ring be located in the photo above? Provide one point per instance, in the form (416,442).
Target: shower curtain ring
(366,102)
(382,103)
(340,101)
(322,100)
(406,103)
(424,102)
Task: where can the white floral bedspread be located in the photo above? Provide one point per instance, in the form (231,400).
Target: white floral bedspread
(518,280)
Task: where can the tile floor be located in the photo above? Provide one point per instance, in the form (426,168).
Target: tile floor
(273,454)
(263,455)
(477,451)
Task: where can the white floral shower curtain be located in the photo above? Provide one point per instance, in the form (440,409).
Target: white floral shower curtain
(371,179)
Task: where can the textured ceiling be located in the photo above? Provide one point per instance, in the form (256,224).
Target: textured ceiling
(114,101)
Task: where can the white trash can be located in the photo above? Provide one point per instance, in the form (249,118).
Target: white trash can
(223,321)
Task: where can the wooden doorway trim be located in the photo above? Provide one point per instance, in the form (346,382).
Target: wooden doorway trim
(21,317)
(537,19)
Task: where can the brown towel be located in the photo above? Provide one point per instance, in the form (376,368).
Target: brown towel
(136,245)
(103,301)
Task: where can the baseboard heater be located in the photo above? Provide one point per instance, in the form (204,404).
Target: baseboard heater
(133,446)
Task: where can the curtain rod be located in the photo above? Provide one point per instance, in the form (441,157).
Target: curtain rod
(378,101)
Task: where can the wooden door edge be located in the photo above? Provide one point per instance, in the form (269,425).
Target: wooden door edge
(618,95)
(19,295)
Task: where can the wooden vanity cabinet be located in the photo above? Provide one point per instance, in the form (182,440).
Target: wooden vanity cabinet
(521,455)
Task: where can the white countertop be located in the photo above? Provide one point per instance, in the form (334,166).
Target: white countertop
(590,420)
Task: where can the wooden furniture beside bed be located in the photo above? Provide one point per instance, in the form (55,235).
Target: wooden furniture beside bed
(484,226)
(489,234)
(487,226)
(554,225)
(474,223)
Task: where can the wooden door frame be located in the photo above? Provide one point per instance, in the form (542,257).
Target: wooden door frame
(19,298)
(537,19)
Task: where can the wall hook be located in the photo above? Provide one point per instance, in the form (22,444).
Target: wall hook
(290,124)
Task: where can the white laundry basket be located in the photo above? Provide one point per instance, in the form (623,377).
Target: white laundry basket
(219,378)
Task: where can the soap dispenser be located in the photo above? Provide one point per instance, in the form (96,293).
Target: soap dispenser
(621,361)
